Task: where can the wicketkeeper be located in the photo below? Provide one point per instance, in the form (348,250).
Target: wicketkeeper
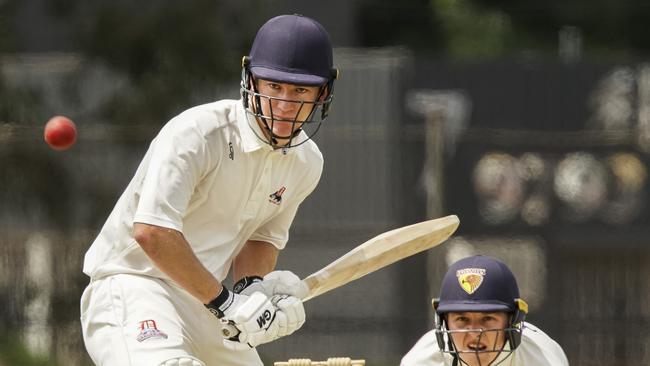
(480,322)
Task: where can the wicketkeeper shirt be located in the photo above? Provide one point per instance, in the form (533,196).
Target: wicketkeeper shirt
(536,349)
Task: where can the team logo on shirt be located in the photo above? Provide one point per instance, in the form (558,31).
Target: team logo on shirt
(276,197)
(148,329)
(470,279)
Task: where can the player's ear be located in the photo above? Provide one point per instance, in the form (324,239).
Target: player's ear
(325,93)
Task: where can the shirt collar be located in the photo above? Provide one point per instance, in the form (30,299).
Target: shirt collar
(249,130)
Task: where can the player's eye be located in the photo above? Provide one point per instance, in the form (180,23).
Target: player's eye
(460,320)
(302,90)
(491,322)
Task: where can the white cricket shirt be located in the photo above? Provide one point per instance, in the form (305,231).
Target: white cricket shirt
(536,349)
(210,177)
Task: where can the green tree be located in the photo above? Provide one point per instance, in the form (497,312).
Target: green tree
(173,53)
(473,32)
(610,28)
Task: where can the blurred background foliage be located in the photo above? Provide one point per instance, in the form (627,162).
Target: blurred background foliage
(157,57)
(483,29)
(173,52)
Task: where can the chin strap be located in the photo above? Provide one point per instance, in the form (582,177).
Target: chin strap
(274,138)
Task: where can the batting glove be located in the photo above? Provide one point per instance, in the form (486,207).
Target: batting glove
(226,303)
(290,315)
(248,321)
(244,282)
(276,283)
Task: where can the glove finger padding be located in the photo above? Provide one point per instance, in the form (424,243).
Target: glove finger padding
(281,319)
(279,283)
(293,313)
(266,288)
(287,284)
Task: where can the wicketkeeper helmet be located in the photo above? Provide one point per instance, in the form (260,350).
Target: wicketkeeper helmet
(479,284)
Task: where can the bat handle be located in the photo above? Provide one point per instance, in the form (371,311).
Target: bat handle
(228,329)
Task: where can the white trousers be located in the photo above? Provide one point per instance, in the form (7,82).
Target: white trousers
(145,321)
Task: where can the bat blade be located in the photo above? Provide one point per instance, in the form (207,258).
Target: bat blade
(379,252)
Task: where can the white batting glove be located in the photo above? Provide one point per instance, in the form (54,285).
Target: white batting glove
(250,320)
(290,315)
(278,283)
(226,303)
(256,321)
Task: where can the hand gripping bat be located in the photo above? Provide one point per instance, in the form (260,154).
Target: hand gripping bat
(376,253)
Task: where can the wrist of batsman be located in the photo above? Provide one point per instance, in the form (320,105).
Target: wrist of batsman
(220,303)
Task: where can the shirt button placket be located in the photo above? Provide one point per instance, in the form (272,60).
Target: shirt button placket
(259,193)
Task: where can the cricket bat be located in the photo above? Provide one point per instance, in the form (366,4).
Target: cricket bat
(374,254)
(379,252)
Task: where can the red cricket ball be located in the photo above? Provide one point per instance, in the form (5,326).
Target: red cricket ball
(60,133)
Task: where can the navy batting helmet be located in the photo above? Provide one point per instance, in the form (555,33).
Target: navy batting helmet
(479,284)
(291,49)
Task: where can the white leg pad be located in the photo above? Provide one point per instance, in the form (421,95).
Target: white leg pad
(183,361)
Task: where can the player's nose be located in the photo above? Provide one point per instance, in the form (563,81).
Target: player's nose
(474,334)
(286,105)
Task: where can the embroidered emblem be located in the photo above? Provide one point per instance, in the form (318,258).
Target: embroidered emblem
(148,329)
(276,197)
(470,279)
(231,151)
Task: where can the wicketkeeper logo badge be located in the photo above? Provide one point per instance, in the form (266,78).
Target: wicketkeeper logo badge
(470,279)
(148,329)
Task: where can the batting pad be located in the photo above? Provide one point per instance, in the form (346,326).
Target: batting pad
(182,361)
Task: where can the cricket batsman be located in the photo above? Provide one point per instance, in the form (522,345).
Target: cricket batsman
(216,191)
